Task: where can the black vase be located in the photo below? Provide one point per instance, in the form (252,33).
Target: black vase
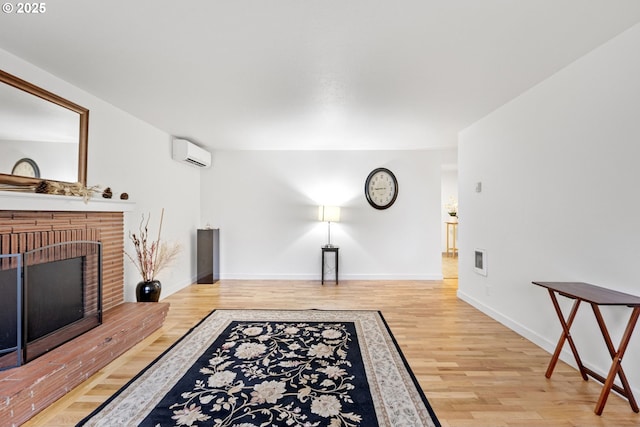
(148,291)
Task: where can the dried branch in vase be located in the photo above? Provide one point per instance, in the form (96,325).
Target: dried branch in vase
(151,257)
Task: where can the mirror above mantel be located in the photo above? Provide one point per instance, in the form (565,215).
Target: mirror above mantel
(42,135)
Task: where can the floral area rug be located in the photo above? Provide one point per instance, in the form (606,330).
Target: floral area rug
(250,368)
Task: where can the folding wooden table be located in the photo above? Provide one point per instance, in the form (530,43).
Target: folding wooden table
(596,296)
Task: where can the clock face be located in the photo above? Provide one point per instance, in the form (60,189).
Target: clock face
(26,167)
(381,188)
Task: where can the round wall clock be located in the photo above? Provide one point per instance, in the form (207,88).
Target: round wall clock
(381,188)
(26,167)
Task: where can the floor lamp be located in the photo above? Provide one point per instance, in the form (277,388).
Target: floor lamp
(329,214)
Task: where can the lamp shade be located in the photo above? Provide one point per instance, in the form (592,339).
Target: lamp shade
(329,213)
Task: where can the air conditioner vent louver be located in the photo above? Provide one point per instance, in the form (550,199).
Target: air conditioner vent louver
(187,152)
(197,163)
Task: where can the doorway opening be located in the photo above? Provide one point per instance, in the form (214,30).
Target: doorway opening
(449,218)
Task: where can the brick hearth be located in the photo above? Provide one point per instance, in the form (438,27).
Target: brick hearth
(26,390)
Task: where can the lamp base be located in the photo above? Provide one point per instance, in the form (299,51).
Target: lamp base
(329,245)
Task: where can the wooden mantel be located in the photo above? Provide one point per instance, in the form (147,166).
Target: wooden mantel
(18,201)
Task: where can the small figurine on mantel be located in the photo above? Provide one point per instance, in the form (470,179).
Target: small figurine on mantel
(108,194)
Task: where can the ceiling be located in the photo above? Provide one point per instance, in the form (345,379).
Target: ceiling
(312,74)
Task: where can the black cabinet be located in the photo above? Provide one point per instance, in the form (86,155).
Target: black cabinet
(208,255)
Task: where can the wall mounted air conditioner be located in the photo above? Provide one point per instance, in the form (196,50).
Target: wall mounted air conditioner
(188,152)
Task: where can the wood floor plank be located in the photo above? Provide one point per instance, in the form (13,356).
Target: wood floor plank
(474,371)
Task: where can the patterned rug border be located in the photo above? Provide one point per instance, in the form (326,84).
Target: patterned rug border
(396,346)
(408,368)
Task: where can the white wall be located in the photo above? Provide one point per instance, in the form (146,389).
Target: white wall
(265,204)
(559,201)
(131,156)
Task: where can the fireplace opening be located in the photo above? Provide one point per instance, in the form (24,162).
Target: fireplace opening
(49,298)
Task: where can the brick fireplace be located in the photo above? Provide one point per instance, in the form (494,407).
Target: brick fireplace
(31,221)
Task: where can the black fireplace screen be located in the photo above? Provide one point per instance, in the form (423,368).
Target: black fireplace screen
(48,296)
(10,310)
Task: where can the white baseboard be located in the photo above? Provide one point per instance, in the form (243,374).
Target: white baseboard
(244,276)
(329,277)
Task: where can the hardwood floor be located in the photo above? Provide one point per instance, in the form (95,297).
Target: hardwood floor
(449,266)
(474,371)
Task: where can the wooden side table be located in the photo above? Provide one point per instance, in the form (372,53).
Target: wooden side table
(333,249)
(452,237)
(596,296)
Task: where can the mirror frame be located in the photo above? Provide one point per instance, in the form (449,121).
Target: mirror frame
(20,84)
